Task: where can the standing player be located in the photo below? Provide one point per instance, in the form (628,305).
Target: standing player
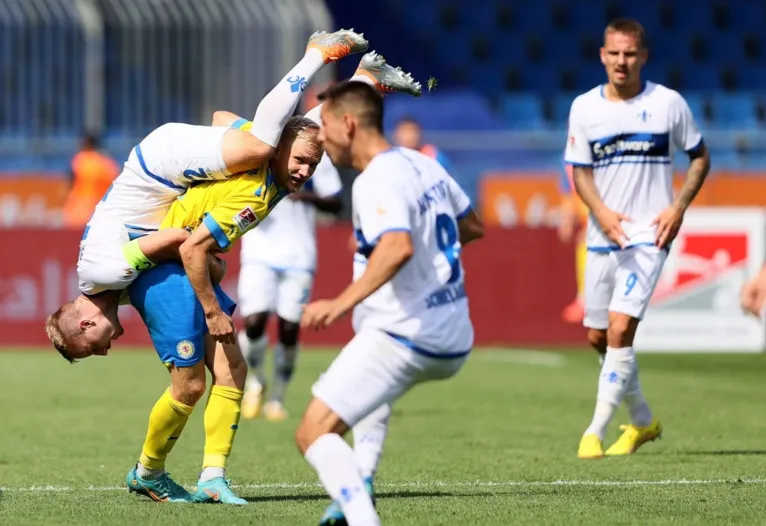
(410,309)
(409,134)
(621,143)
(279,279)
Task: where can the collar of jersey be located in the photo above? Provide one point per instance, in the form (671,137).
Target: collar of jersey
(643,89)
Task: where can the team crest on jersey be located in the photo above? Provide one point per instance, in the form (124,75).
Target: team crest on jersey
(245,219)
(185,349)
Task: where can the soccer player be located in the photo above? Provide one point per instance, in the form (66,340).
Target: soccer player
(291,263)
(162,167)
(574,217)
(410,309)
(621,143)
(279,280)
(409,134)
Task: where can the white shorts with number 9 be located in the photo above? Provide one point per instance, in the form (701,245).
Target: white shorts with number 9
(620,281)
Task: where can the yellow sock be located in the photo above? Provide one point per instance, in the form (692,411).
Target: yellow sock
(221,423)
(581,255)
(166,421)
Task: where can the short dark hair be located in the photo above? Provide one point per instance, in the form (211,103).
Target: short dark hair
(629,26)
(357,97)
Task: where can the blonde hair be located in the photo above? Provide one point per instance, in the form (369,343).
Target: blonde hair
(55,332)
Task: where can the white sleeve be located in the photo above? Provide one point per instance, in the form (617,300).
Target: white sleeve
(380,208)
(326,178)
(461,203)
(578,150)
(684,132)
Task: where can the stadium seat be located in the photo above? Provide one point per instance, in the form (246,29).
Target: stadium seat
(734,110)
(522,111)
(561,103)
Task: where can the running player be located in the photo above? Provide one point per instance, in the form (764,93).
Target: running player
(279,281)
(160,169)
(621,143)
(410,309)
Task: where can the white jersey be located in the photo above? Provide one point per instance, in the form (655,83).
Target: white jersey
(424,306)
(286,239)
(630,145)
(157,171)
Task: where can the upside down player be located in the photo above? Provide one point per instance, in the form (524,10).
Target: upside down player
(159,169)
(620,137)
(411,314)
(281,277)
(297,154)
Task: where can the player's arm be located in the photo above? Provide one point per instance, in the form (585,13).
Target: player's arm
(330,204)
(222,118)
(469,224)
(147,251)
(393,251)
(687,137)
(470,227)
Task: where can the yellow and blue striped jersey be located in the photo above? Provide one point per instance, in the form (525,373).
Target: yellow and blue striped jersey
(228,208)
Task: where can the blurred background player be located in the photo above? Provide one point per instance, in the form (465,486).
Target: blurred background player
(409,134)
(278,260)
(92,172)
(622,136)
(573,222)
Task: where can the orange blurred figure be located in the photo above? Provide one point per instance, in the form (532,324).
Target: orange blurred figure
(92,174)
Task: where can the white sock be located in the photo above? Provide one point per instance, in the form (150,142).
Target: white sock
(255,354)
(211,473)
(148,474)
(315,113)
(640,414)
(335,463)
(616,375)
(279,104)
(369,436)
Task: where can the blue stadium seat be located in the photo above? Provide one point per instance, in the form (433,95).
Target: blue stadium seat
(696,102)
(747,15)
(534,15)
(726,47)
(753,78)
(734,110)
(522,111)
(561,103)
(702,77)
(544,78)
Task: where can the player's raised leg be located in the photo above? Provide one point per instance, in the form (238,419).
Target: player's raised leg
(221,421)
(375,71)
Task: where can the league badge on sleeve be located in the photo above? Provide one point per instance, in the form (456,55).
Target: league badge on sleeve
(245,219)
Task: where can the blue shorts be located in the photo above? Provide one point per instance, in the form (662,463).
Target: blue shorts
(165,299)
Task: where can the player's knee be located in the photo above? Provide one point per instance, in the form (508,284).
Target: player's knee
(189,390)
(622,330)
(288,333)
(255,325)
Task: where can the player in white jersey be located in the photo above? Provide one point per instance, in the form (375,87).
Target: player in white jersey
(161,168)
(410,314)
(622,137)
(278,260)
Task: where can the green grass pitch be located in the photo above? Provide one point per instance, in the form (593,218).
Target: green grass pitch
(495,445)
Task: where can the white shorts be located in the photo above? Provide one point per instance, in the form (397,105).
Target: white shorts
(101,264)
(265,289)
(374,369)
(620,281)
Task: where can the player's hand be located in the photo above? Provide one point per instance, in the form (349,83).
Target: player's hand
(668,224)
(221,327)
(611,224)
(753,295)
(321,314)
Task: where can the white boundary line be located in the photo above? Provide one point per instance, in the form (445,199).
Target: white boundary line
(437,484)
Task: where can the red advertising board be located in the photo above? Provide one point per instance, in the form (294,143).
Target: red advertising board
(518,281)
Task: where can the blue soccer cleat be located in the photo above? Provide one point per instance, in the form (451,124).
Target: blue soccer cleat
(217,491)
(162,489)
(333,516)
